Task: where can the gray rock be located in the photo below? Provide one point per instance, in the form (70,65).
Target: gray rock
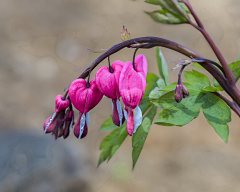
(34,163)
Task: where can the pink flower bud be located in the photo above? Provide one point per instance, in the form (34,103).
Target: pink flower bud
(181,92)
(185,92)
(178,93)
(54,123)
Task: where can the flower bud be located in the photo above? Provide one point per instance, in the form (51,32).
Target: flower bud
(54,123)
(178,93)
(61,104)
(185,91)
(125,35)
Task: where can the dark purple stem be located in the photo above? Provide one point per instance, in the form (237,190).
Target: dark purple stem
(180,74)
(109,65)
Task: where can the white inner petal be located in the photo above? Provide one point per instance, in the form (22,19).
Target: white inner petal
(112,105)
(88,118)
(119,110)
(125,113)
(137,118)
(82,124)
(50,121)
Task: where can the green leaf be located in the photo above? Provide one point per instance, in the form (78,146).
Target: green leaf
(213,88)
(174,113)
(218,114)
(122,136)
(151,81)
(111,143)
(156,92)
(197,79)
(215,109)
(106,145)
(235,68)
(162,65)
(144,105)
(171,6)
(221,129)
(140,136)
(238,59)
(185,8)
(197,65)
(108,125)
(163,16)
(172,86)
(215,83)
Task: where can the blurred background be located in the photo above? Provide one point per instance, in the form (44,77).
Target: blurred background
(42,43)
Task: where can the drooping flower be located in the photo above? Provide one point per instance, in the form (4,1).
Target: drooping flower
(54,123)
(84,97)
(181,92)
(132,85)
(107,80)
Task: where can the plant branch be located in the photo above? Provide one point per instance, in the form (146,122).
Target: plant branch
(232,105)
(149,42)
(215,49)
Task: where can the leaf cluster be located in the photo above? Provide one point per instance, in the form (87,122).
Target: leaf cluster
(171,12)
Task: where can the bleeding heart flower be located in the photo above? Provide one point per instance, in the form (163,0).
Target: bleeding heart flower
(84,97)
(107,80)
(54,123)
(132,84)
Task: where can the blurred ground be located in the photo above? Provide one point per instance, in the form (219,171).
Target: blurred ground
(44,42)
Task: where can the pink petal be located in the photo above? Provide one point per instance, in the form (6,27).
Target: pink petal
(60,104)
(83,98)
(130,121)
(130,86)
(141,64)
(117,67)
(81,129)
(50,123)
(107,82)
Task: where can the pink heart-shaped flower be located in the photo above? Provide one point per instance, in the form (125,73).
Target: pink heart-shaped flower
(131,86)
(61,104)
(108,81)
(84,98)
